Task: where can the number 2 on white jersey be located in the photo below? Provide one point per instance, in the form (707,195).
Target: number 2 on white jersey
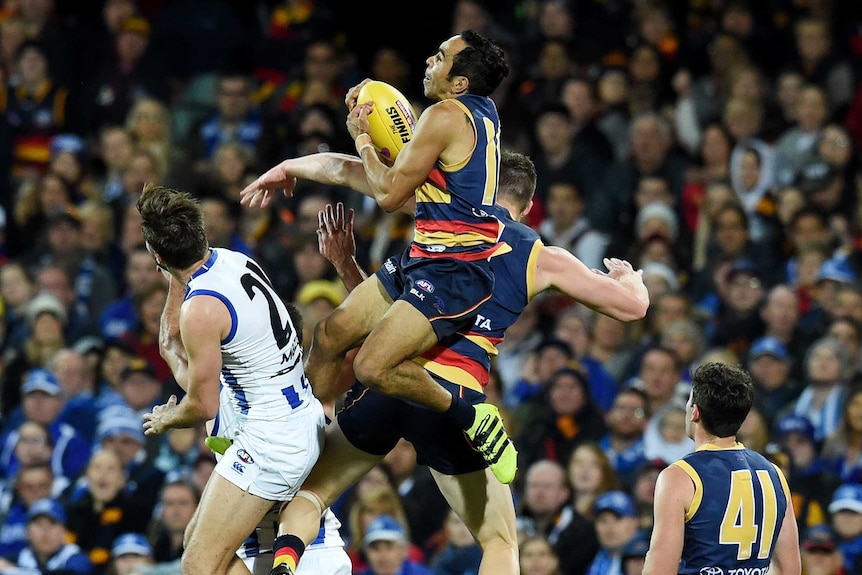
(740,526)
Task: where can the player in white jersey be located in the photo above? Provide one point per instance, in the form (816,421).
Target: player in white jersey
(224,324)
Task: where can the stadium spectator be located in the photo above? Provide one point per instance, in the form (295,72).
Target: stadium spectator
(546,512)
(47,549)
(846,511)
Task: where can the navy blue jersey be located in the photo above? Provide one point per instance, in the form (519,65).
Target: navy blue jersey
(464,357)
(453,206)
(736,513)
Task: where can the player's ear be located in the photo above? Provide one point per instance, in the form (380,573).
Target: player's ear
(460,85)
(695,413)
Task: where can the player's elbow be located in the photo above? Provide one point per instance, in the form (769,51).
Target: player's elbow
(635,312)
(390,204)
(203,408)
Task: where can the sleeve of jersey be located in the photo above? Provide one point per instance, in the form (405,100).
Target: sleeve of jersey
(784,484)
(532,262)
(698,487)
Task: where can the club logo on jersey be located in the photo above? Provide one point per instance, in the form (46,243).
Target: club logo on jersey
(244,456)
(480,213)
(439,306)
(238,467)
(425,286)
(711,571)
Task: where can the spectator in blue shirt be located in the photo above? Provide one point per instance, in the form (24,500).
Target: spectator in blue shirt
(47,550)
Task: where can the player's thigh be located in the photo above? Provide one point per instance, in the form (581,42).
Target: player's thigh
(225,517)
(357,315)
(402,334)
(338,467)
(484,504)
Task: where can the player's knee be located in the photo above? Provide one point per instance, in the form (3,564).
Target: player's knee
(329,336)
(193,562)
(369,372)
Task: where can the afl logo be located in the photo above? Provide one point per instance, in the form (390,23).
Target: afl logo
(711,571)
(425,286)
(246,458)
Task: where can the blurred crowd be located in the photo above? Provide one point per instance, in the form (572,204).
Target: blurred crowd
(712,143)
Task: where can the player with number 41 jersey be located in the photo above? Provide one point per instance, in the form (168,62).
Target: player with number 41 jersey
(723,509)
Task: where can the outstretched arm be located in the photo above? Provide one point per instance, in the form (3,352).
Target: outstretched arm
(329,168)
(336,243)
(620,293)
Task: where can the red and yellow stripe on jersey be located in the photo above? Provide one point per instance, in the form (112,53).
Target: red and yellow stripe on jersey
(454,207)
(464,358)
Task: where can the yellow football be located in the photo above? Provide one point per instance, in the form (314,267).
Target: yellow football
(391,122)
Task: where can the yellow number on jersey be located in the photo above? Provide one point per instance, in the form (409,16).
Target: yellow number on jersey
(491,164)
(739,526)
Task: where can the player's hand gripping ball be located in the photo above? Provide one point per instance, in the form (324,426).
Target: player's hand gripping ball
(391,122)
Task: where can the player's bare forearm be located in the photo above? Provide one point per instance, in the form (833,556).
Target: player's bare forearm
(351,274)
(337,244)
(620,293)
(173,415)
(376,173)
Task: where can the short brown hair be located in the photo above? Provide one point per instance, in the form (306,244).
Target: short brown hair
(173,225)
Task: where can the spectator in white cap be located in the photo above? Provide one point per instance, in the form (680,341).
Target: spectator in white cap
(130,552)
(42,402)
(846,512)
(47,550)
(385,544)
(659,279)
(657,218)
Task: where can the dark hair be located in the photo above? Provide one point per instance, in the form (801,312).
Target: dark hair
(517,179)
(724,395)
(295,318)
(482,61)
(666,351)
(173,225)
(736,209)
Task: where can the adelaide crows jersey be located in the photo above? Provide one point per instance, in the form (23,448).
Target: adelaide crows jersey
(735,516)
(464,357)
(453,207)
